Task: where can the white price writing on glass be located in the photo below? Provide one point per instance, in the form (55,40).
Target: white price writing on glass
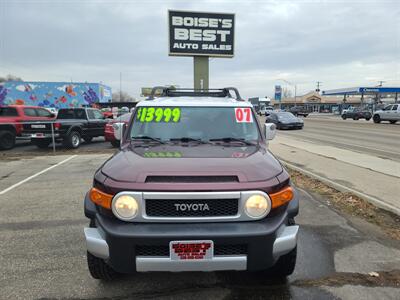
(243,115)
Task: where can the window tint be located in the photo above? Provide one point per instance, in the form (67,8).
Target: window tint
(394,107)
(71,114)
(30,112)
(8,112)
(91,115)
(389,107)
(41,112)
(98,115)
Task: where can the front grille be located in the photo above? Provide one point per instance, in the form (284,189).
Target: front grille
(164,250)
(191,208)
(191,179)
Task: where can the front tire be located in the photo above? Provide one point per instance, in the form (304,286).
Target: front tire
(7,139)
(344,117)
(99,269)
(377,119)
(115,143)
(285,264)
(73,140)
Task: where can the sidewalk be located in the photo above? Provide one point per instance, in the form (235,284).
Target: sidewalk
(375,177)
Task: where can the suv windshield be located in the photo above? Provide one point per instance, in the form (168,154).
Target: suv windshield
(202,123)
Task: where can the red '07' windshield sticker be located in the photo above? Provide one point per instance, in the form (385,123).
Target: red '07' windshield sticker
(243,115)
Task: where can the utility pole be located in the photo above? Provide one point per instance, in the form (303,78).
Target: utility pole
(120,86)
(318,85)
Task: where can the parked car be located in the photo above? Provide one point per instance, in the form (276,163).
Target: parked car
(390,113)
(357,114)
(194,188)
(268,110)
(109,130)
(299,111)
(69,127)
(11,116)
(350,108)
(262,111)
(53,110)
(108,114)
(285,120)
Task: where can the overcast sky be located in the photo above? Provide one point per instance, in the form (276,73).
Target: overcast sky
(341,43)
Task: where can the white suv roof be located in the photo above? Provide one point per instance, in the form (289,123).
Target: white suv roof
(195,101)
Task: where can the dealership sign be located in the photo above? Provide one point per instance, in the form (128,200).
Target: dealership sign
(201,33)
(278,92)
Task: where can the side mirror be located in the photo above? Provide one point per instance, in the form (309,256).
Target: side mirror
(270,131)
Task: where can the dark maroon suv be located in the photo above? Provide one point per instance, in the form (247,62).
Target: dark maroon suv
(193,188)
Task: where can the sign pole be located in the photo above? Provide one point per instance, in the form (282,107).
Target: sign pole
(200,72)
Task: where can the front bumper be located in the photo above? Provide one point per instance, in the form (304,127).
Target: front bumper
(291,126)
(285,241)
(41,135)
(264,241)
(109,136)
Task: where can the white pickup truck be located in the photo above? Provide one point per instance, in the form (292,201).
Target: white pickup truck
(390,113)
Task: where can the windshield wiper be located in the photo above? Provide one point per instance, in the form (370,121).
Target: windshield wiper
(232,139)
(147,138)
(188,139)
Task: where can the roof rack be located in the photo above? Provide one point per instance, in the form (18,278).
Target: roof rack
(179,92)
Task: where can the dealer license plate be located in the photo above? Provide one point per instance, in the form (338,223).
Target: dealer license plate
(191,250)
(37,135)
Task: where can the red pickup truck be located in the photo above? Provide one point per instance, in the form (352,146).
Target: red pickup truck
(12,118)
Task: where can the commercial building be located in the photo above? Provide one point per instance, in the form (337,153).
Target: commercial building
(54,94)
(336,100)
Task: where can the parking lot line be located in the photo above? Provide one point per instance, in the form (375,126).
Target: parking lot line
(35,175)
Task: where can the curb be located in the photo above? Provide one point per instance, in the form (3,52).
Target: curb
(342,188)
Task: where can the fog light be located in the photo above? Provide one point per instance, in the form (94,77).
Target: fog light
(125,207)
(257,206)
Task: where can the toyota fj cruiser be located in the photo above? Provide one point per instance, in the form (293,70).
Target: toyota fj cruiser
(193,188)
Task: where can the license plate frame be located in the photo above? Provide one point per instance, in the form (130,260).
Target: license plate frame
(197,250)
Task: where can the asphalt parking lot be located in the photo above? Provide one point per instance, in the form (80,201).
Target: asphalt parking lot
(43,249)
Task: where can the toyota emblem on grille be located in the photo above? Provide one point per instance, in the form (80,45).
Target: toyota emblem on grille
(192,207)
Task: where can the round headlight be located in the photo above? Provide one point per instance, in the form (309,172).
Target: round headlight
(257,206)
(125,207)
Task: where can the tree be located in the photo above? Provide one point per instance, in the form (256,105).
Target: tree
(9,77)
(286,93)
(122,97)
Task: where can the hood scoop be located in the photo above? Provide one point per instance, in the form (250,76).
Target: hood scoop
(190,179)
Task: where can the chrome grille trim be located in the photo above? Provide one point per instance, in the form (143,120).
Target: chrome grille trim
(142,217)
